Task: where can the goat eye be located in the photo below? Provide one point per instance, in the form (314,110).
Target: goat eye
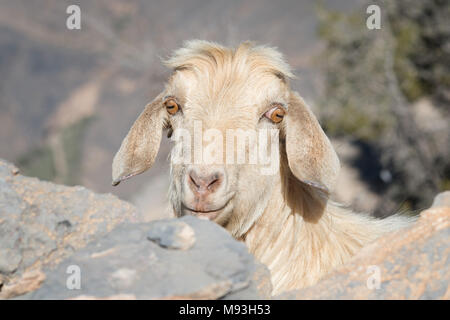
(276,114)
(171,106)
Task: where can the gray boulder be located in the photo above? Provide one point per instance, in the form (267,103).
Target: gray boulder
(129,263)
(42,223)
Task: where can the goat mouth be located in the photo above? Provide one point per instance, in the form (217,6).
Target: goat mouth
(206,214)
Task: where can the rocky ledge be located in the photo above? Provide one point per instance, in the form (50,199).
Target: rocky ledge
(43,223)
(50,232)
(59,242)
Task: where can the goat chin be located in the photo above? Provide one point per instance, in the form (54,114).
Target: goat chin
(300,246)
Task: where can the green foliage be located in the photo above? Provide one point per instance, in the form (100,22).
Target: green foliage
(72,141)
(406,41)
(356,89)
(372,78)
(38,163)
(422,34)
(355,101)
(445,185)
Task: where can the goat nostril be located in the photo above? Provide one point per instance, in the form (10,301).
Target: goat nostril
(193,182)
(212,183)
(206,183)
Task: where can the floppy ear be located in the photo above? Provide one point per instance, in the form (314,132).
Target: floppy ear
(139,148)
(311,156)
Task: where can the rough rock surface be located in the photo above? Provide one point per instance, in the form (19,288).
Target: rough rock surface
(174,235)
(442,200)
(408,264)
(42,223)
(50,232)
(126,264)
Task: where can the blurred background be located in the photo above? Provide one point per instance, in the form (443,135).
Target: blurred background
(68,97)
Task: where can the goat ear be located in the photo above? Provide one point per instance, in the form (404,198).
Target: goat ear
(310,155)
(140,147)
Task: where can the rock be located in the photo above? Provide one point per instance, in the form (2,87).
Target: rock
(407,264)
(125,264)
(442,200)
(42,223)
(29,281)
(171,234)
(60,242)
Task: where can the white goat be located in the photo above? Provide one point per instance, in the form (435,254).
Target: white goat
(285,218)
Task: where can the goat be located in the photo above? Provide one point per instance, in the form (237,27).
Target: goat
(286,218)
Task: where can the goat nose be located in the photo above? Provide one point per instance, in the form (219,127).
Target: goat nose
(205,183)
